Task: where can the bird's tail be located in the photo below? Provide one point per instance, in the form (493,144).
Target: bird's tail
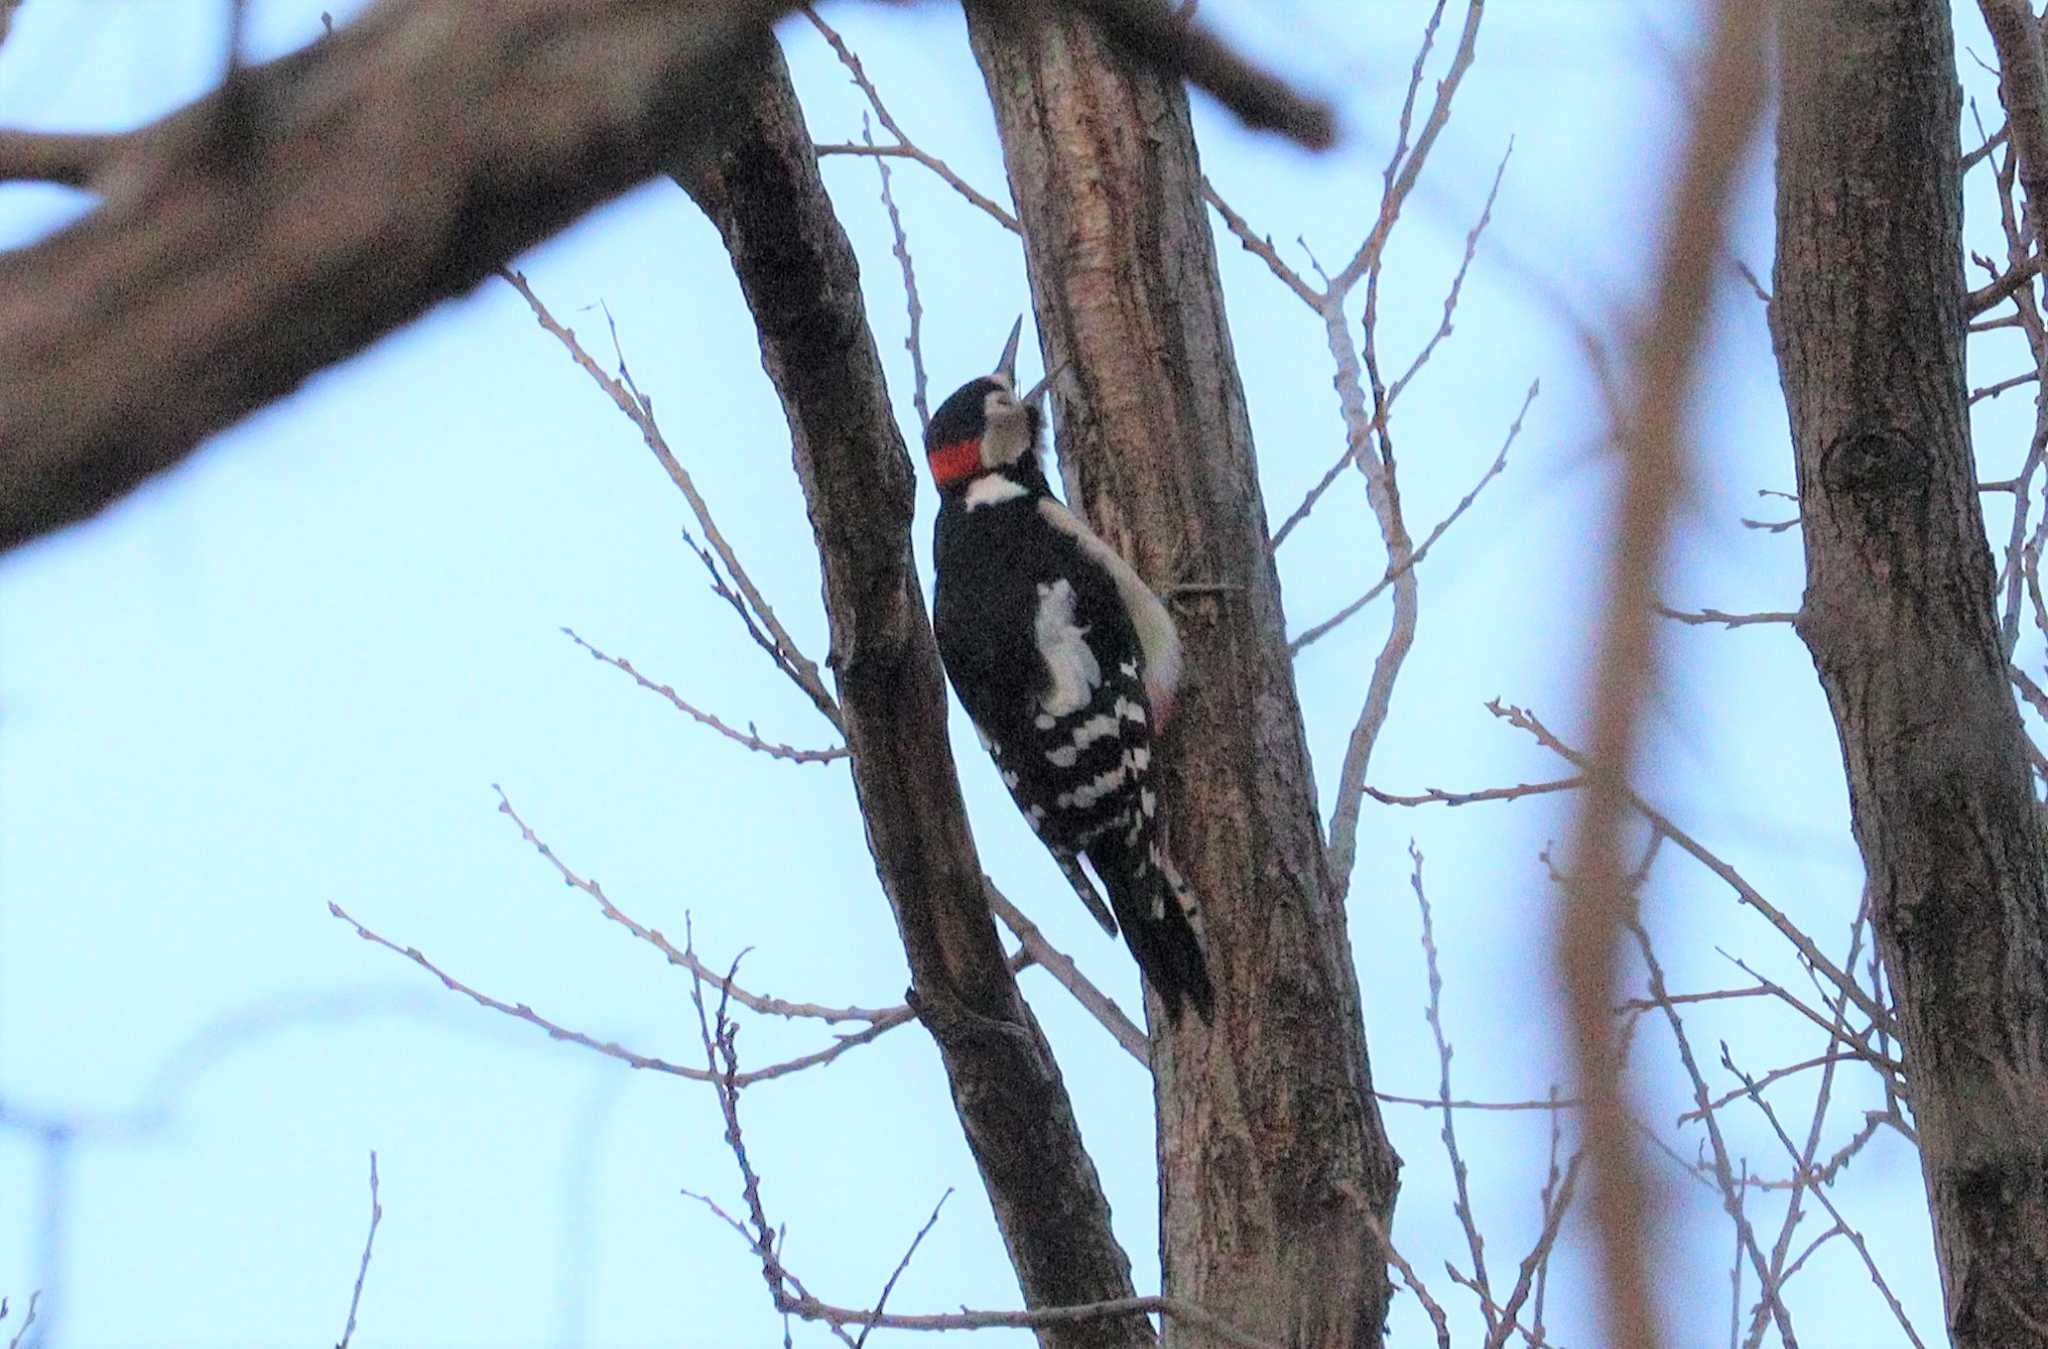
(1157,913)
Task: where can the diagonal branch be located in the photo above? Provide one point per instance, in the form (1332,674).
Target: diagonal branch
(401,161)
(748,738)
(639,409)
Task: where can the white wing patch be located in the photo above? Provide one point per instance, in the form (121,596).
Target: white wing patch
(1157,636)
(992,490)
(1064,647)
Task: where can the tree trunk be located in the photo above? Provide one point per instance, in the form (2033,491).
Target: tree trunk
(1869,327)
(1272,1154)
(803,286)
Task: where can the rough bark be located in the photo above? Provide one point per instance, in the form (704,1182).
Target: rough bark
(1273,1160)
(322,200)
(803,286)
(245,243)
(1868,320)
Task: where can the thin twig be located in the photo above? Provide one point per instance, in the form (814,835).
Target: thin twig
(810,1309)
(1261,247)
(1437,796)
(683,959)
(1698,617)
(639,410)
(914,342)
(1461,1203)
(1826,1201)
(1353,445)
(1396,571)
(1814,957)
(1056,963)
(904,147)
(883,1021)
(882,1302)
(28,1319)
(773,749)
(362,1271)
(1723,1171)
(1436,1103)
(1410,1278)
(1402,180)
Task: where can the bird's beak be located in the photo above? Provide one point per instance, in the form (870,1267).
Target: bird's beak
(1044,386)
(1007,365)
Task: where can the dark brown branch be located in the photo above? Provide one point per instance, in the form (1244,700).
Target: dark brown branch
(2002,287)
(183,302)
(801,283)
(68,158)
(1162,35)
(399,161)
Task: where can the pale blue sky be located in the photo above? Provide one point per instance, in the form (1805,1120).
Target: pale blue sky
(287,673)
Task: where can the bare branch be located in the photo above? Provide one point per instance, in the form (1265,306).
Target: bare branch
(683,959)
(904,146)
(1400,569)
(67,158)
(1402,180)
(1056,963)
(914,342)
(29,1319)
(1820,1193)
(1437,796)
(1775,1075)
(1354,444)
(639,409)
(881,1022)
(1412,1280)
(882,1302)
(1461,1204)
(1814,957)
(2001,287)
(1261,247)
(1722,1172)
(1161,35)
(748,738)
(1697,617)
(810,1309)
(178,307)
(362,1271)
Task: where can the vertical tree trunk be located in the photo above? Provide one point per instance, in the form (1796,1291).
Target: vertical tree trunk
(803,286)
(1273,1158)
(1869,327)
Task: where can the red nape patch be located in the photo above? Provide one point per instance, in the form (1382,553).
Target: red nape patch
(955,463)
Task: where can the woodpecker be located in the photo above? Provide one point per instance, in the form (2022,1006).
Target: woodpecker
(1067,663)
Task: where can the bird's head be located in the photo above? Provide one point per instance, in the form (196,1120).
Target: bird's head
(986,427)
